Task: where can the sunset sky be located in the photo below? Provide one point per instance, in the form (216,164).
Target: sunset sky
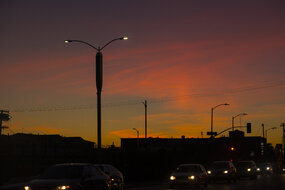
(184,57)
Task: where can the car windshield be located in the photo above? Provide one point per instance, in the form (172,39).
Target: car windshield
(220,165)
(244,164)
(63,172)
(100,167)
(264,165)
(190,168)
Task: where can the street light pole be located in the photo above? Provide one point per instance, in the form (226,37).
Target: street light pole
(212,115)
(138,132)
(138,136)
(233,119)
(268,130)
(99,79)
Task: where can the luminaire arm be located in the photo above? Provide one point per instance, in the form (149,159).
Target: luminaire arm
(80,41)
(98,49)
(122,38)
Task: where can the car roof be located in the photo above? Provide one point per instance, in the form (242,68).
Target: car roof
(246,161)
(222,162)
(190,165)
(73,164)
(104,165)
(264,163)
(101,164)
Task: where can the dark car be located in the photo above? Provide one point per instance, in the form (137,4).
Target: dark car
(283,169)
(73,176)
(264,168)
(246,169)
(189,174)
(117,178)
(222,170)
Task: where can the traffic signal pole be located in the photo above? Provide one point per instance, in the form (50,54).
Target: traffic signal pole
(248,126)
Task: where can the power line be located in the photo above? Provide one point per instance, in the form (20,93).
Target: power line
(157,100)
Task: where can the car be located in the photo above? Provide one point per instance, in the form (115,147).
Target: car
(246,169)
(12,186)
(188,175)
(264,168)
(73,176)
(281,168)
(222,170)
(117,178)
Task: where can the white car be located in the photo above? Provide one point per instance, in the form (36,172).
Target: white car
(264,168)
(222,170)
(189,175)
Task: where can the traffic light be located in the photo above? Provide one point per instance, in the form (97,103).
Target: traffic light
(248,127)
(232,148)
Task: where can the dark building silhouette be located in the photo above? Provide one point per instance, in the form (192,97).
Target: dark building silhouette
(156,157)
(235,147)
(23,155)
(27,154)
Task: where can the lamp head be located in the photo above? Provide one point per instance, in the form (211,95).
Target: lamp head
(244,114)
(67,41)
(226,104)
(124,38)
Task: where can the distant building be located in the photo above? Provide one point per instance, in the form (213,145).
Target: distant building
(25,154)
(30,145)
(235,147)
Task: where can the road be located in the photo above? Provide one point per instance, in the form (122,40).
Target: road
(273,182)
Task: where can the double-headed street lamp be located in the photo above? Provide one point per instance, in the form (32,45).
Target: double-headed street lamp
(233,119)
(99,79)
(212,115)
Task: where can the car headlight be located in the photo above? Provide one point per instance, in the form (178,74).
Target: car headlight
(172,177)
(267,168)
(226,171)
(258,169)
(27,187)
(63,187)
(209,172)
(192,177)
(248,169)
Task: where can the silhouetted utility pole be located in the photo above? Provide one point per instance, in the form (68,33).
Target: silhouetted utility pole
(145,118)
(4,116)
